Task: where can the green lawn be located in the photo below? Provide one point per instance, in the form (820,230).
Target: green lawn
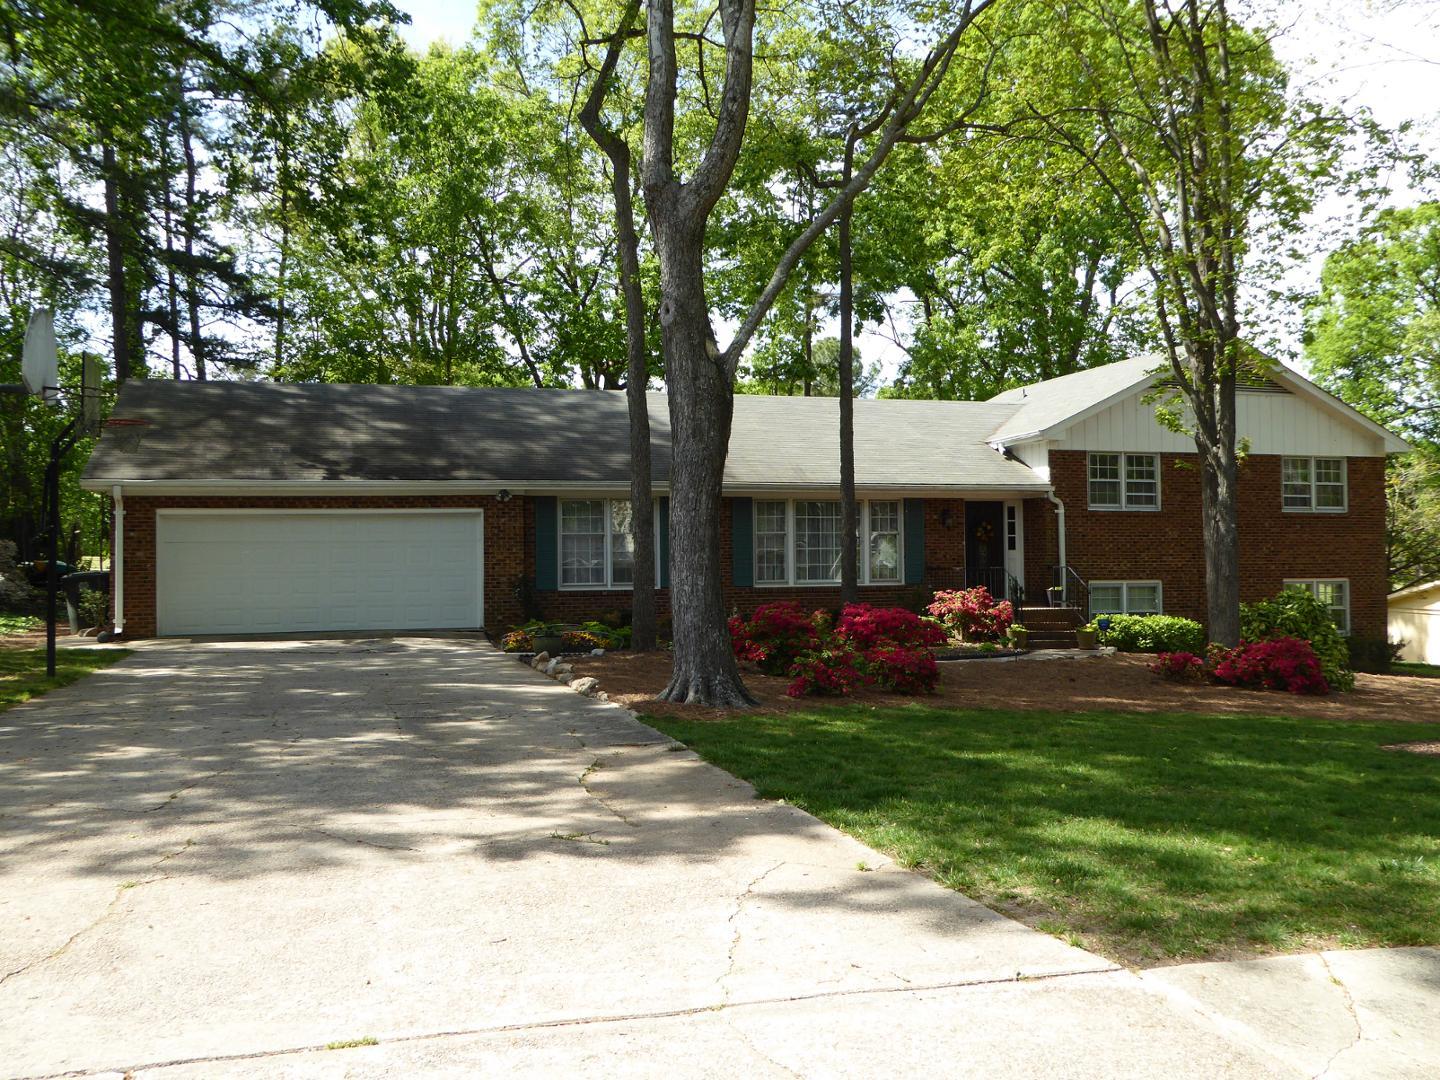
(18,624)
(22,671)
(1424,671)
(1139,836)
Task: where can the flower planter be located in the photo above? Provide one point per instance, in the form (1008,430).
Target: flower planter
(1019,637)
(1086,638)
(549,643)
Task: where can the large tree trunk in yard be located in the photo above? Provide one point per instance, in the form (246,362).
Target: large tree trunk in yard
(849,506)
(701,407)
(1219,472)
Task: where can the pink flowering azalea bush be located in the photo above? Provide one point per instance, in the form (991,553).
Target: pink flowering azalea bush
(867,646)
(833,669)
(865,627)
(776,635)
(903,669)
(1179,665)
(973,614)
(1278,663)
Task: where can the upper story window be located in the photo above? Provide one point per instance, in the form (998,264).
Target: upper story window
(1124,481)
(1125,598)
(1334,593)
(798,542)
(596,548)
(1313,484)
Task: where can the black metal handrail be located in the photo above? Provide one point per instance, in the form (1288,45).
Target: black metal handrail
(1068,588)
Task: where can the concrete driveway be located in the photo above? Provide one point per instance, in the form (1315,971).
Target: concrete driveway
(219,859)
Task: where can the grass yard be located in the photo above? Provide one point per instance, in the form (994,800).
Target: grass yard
(1419,671)
(18,624)
(22,671)
(1144,837)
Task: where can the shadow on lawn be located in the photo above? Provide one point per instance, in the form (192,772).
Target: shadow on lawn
(1174,833)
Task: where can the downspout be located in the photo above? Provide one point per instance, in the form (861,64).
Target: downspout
(117,560)
(1060,522)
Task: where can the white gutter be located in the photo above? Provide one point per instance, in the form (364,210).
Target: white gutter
(1060,520)
(117,560)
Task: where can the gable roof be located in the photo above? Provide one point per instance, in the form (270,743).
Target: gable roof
(1046,408)
(268,433)
(1418,589)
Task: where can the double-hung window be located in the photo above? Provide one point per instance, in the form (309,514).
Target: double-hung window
(1313,484)
(1125,598)
(1124,481)
(1334,593)
(596,548)
(798,542)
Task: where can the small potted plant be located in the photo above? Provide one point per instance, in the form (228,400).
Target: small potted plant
(1055,595)
(1086,636)
(548,638)
(1019,636)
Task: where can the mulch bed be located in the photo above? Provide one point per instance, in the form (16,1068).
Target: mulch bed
(1429,749)
(1119,682)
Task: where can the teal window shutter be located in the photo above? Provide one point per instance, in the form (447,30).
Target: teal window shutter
(914,541)
(662,556)
(742,543)
(547,543)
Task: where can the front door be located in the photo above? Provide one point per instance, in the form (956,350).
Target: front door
(985,546)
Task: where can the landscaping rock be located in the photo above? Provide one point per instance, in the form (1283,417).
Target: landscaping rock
(597,652)
(587,686)
(561,670)
(541,659)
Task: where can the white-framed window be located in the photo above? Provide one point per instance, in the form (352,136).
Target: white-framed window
(1314,485)
(596,548)
(798,541)
(1012,527)
(1334,593)
(1126,598)
(1124,481)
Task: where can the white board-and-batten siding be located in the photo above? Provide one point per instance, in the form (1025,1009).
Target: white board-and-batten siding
(1273,423)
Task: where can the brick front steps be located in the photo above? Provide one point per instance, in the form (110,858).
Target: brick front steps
(1050,627)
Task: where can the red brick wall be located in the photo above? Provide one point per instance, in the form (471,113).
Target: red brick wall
(944,555)
(510,557)
(1274,545)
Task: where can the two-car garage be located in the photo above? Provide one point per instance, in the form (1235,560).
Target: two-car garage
(293,571)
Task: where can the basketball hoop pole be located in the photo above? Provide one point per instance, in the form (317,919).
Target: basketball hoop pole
(61,445)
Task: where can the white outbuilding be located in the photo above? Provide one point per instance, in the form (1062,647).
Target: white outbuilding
(1415,620)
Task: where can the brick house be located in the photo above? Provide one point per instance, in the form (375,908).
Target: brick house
(267,507)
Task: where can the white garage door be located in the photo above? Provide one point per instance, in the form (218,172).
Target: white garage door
(290,571)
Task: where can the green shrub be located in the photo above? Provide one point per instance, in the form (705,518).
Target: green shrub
(1295,613)
(1153,633)
(1373,655)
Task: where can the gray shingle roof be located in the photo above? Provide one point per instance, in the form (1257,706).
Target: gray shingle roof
(265,432)
(1041,406)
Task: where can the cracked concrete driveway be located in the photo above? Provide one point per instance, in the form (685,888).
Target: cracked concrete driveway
(218,859)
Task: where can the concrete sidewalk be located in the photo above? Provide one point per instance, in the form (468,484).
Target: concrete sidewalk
(218,859)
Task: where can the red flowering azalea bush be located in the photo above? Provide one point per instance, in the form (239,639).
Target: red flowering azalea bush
(1178,665)
(973,614)
(865,627)
(834,669)
(775,636)
(902,669)
(1279,663)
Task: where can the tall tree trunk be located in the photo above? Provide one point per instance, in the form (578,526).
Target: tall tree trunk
(849,506)
(701,407)
(637,380)
(120,331)
(192,290)
(1220,518)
